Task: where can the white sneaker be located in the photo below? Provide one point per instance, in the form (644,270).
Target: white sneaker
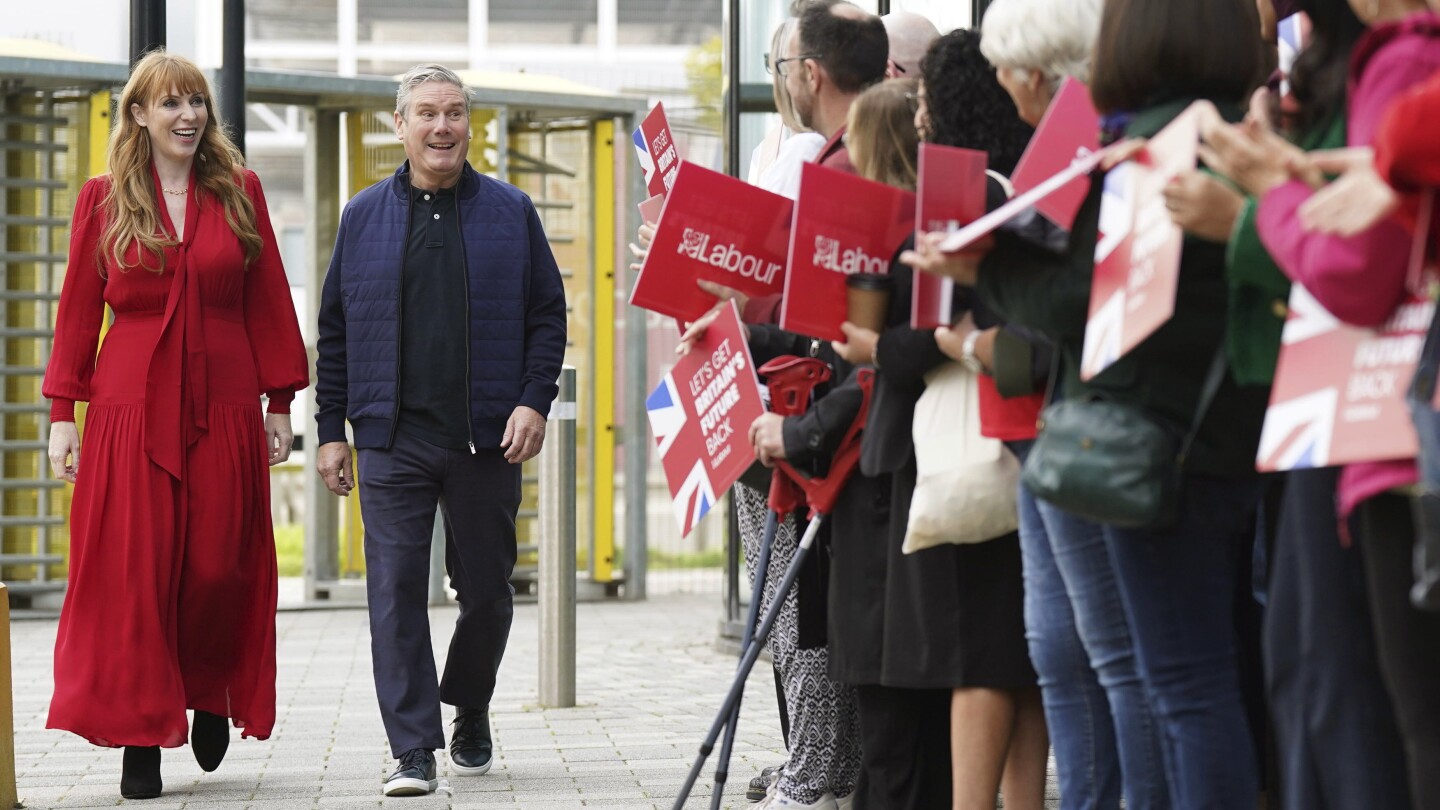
(845,803)
(777,800)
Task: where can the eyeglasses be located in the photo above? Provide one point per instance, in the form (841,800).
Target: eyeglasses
(775,66)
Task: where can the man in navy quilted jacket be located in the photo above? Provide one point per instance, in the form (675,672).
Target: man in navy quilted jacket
(442,331)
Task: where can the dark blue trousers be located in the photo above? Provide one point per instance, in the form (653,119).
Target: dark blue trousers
(479,495)
(1334,723)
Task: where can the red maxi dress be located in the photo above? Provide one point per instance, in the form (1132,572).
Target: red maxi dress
(172,588)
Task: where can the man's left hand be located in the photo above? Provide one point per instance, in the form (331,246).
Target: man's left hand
(524,435)
(768,438)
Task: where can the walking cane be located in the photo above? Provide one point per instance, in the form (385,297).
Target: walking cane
(791,382)
(821,494)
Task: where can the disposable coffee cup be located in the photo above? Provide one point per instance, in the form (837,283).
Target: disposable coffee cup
(869,299)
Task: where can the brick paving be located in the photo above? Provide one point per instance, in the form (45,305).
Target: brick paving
(649,680)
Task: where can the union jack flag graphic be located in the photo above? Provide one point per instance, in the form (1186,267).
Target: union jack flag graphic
(668,419)
(642,151)
(666,412)
(1337,397)
(1292,32)
(1105,329)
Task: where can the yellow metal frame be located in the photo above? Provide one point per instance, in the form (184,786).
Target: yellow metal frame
(99,131)
(602,566)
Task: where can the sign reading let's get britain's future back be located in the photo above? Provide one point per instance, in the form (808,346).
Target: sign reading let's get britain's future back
(701,414)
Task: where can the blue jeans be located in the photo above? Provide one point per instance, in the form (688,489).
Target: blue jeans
(1178,589)
(1095,703)
(1077,712)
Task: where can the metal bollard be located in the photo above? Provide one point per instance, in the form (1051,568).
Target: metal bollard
(557,550)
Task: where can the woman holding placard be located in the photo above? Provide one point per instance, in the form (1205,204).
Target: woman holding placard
(1363,279)
(1174,536)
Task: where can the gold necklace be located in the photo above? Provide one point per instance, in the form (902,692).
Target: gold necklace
(178,192)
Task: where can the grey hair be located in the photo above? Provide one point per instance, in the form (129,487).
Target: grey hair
(1055,37)
(420,74)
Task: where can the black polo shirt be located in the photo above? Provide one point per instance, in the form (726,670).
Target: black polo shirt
(434,402)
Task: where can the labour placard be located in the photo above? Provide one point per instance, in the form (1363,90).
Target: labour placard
(843,225)
(1339,393)
(1023,202)
(1070,131)
(655,147)
(701,414)
(715,228)
(949,193)
(1137,257)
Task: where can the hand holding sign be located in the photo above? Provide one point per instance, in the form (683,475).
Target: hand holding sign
(717,229)
(963,268)
(701,414)
(1203,206)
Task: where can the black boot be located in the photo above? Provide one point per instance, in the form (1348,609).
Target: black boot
(140,773)
(209,739)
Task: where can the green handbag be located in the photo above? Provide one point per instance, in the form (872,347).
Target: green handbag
(1112,463)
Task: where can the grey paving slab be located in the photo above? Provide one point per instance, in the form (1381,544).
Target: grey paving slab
(648,683)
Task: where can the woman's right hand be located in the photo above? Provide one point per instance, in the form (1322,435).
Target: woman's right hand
(64,445)
(963,267)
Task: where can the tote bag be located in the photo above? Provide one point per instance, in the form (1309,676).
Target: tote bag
(966,486)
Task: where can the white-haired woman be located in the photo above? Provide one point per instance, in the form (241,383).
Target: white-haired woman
(1104,736)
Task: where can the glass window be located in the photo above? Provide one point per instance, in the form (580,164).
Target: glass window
(667,22)
(291,20)
(946,14)
(543,22)
(415,21)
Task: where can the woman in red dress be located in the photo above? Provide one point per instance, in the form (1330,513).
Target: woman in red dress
(171,601)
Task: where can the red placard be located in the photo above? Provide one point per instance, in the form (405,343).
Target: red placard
(701,414)
(975,231)
(651,208)
(950,192)
(1069,131)
(655,147)
(1137,259)
(1339,393)
(717,228)
(843,225)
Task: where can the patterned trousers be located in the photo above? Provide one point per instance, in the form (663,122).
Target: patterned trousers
(824,752)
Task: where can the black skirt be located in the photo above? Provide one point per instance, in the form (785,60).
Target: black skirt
(946,617)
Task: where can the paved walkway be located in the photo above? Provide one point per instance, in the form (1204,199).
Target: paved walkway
(649,682)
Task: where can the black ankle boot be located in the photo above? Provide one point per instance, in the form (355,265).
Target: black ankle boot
(140,773)
(209,739)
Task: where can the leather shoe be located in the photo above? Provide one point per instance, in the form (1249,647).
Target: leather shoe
(471,752)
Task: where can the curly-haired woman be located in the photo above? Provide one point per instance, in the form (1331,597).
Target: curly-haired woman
(171,604)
